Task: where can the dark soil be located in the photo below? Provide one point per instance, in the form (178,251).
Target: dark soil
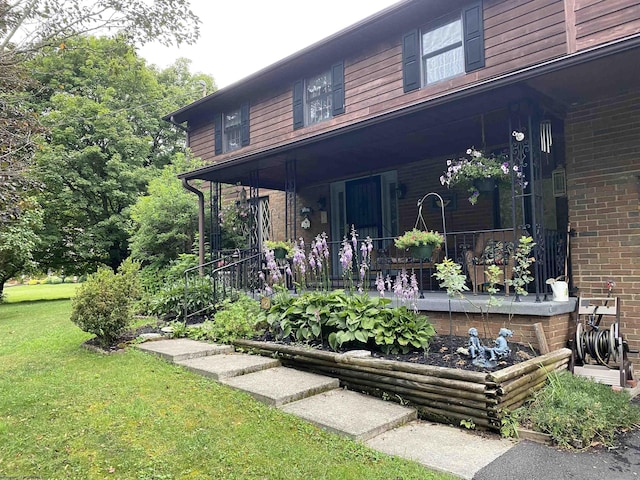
(442,352)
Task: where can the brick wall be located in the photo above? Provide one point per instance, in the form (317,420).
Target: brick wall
(603,171)
(557,329)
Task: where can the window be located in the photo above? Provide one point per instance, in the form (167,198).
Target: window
(442,51)
(319,98)
(231,129)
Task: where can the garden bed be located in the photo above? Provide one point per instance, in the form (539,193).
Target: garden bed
(443,394)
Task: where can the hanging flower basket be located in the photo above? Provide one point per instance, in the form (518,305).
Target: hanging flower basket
(480,173)
(280,253)
(485,185)
(422,252)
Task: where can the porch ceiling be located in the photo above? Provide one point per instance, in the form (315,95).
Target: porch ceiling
(430,131)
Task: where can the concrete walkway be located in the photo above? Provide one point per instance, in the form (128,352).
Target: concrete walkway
(382,425)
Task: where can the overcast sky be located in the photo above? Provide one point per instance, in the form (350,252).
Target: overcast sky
(240,37)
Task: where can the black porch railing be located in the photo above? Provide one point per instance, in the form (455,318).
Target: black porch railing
(231,271)
(236,271)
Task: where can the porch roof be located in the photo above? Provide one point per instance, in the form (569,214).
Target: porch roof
(439,126)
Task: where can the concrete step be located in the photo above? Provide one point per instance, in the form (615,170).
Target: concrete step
(178,349)
(355,415)
(228,365)
(280,385)
(442,447)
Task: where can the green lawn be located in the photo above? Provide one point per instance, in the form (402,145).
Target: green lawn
(68,413)
(26,293)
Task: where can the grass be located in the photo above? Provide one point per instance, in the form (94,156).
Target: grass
(27,293)
(578,412)
(66,412)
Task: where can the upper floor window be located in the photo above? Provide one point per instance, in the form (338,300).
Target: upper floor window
(232,129)
(443,51)
(319,98)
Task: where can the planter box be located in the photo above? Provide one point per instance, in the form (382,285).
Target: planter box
(446,395)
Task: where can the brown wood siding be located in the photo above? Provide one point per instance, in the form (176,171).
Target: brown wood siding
(521,33)
(600,21)
(518,33)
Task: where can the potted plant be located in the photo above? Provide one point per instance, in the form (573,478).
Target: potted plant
(420,242)
(281,249)
(479,172)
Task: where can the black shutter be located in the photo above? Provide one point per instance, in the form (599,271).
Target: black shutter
(411,61)
(217,134)
(244,119)
(298,104)
(473,37)
(337,88)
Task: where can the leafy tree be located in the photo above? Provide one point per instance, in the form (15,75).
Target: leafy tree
(102,106)
(28,27)
(164,221)
(18,239)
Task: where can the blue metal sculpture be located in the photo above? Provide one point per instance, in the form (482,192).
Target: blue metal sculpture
(479,352)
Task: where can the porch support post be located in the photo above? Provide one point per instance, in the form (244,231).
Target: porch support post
(215,206)
(254,217)
(527,202)
(290,207)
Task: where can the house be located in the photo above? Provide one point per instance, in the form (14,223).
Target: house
(357,127)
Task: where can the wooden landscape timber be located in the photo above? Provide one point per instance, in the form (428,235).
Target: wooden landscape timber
(438,393)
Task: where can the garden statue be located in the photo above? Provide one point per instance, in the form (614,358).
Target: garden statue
(501,349)
(475,347)
(479,352)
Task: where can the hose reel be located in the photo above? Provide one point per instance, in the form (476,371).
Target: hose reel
(604,346)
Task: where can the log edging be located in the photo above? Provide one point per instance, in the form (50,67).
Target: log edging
(438,393)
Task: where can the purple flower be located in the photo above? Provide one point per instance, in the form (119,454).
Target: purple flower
(380,284)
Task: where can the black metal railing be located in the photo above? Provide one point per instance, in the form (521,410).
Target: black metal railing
(231,271)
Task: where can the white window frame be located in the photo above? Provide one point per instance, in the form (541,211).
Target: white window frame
(442,51)
(326,95)
(231,129)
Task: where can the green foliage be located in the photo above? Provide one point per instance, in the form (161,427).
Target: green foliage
(164,221)
(18,242)
(171,299)
(339,318)
(102,304)
(418,238)
(234,318)
(577,411)
(468,424)
(107,141)
(53,280)
(450,275)
(523,260)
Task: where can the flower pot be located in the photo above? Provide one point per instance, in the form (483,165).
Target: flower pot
(485,184)
(280,253)
(422,252)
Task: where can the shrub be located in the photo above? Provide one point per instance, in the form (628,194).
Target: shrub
(577,411)
(69,280)
(102,304)
(52,280)
(339,319)
(235,318)
(169,301)
(33,281)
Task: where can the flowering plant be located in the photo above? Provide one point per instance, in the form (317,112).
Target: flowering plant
(418,238)
(477,166)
